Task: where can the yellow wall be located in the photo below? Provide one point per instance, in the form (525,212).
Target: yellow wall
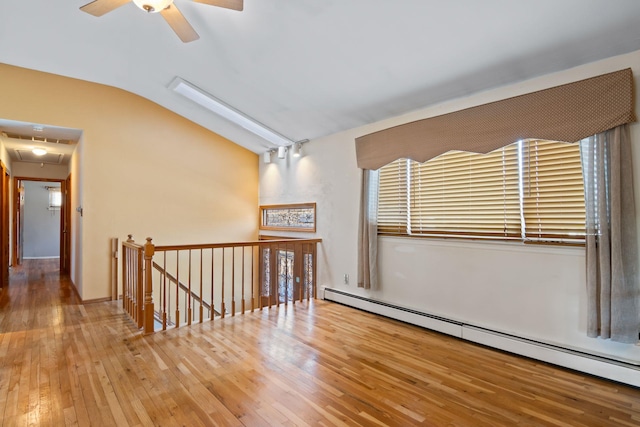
(141,169)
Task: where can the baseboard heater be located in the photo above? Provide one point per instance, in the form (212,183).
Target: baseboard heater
(612,369)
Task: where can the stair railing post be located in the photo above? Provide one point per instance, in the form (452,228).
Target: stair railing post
(149,250)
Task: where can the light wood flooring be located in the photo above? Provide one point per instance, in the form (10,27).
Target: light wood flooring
(310,364)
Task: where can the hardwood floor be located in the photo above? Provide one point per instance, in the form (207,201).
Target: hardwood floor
(310,364)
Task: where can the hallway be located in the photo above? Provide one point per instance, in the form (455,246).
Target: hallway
(310,364)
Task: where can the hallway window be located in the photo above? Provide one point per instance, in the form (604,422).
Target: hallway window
(55,198)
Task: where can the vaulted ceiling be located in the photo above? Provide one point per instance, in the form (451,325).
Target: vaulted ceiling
(309,68)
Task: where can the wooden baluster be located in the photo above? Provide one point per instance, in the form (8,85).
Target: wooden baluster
(263,274)
(222,305)
(253,285)
(289,274)
(139,288)
(164,291)
(125,281)
(300,270)
(213,307)
(303,270)
(149,250)
(125,276)
(133,262)
(132,275)
(190,298)
(133,259)
(201,294)
(177,288)
(243,251)
(273,280)
(305,278)
(314,266)
(233,281)
(277,284)
(298,266)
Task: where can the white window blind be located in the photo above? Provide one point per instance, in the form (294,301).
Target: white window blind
(392,198)
(553,191)
(528,190)
(467,193)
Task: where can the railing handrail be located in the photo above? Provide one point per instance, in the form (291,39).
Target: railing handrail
(160,248)
(182,286)
(132,245)
(269,273)
(129,243)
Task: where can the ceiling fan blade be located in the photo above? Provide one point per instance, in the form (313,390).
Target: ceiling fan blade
(227,4)
(100,7)
(179,24)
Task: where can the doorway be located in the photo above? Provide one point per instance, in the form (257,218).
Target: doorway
(4,225)
(41,226)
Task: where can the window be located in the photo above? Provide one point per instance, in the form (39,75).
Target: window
(530,190)
(294,217)
(55,198)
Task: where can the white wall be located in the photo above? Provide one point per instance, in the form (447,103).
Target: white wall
(41,238)
(533,291)
(77,236)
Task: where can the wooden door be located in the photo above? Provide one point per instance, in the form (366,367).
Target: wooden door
(65,227)
(18,226)
(4,226)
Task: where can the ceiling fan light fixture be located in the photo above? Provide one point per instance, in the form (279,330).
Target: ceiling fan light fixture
(153,6)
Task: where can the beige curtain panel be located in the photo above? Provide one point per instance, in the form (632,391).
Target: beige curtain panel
(613,284)
(567,113)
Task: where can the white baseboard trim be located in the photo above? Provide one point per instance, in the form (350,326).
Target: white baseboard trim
(614,370)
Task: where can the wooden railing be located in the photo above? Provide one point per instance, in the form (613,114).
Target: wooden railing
(183,287)
(137,298)
(172,285)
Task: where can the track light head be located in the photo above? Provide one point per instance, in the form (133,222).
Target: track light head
(266,157)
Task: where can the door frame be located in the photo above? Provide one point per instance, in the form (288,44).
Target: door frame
(65,227)
(16,260)
(4,224)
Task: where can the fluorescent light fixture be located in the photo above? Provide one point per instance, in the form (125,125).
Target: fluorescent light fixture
(222,109)
(39,151)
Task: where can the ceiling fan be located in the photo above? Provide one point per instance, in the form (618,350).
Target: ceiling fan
(167,9)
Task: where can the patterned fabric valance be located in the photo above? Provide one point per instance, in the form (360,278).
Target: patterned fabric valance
(567,113)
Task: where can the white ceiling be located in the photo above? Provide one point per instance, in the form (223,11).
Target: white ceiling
(20,138)
(309,68)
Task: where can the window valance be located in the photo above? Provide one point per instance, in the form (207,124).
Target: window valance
(567,113)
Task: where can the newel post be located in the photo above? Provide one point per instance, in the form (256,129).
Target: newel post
(149,250)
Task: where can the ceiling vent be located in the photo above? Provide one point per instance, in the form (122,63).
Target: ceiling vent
(38,139)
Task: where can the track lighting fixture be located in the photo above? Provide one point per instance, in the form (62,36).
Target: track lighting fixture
(297,149)
(282,152)
(266,156)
